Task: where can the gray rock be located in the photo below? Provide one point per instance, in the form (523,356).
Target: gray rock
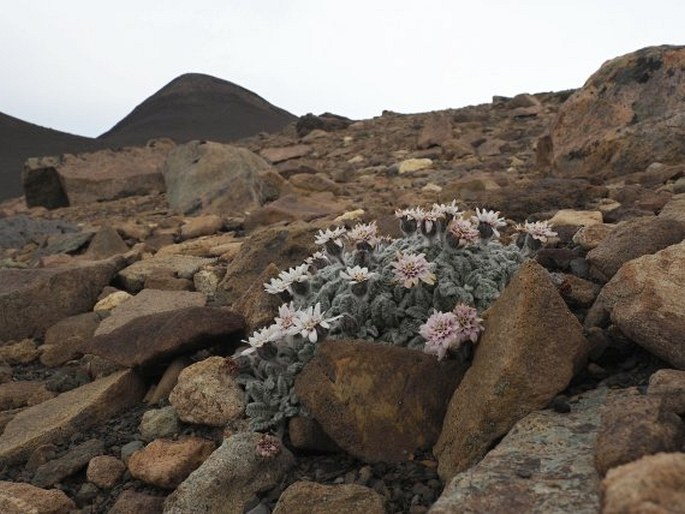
(229,477)
(207,177)
(544,464)
(157,423)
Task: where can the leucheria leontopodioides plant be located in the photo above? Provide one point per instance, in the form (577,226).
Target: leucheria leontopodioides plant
(424,290)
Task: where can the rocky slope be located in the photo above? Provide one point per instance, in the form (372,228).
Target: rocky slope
(121,389)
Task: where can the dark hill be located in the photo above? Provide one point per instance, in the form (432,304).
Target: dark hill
(197,106)
(20,140)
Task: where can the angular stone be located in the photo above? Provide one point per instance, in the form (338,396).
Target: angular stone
(645,301)
(22,352)
(543,465)
(306,434)
(573,217)
(23,393)
(63,340)
(284,153)
(162,336)
(314,182)
(166,463)
(132,502)
(106,243)
(379,403)
(409,165)
(306,497)
(294,208)
(105,471)
(436,131)
(133,277)
(669,384)
(92,177)
(231,475)
(33,300)
(635,425)
(69,413)
(531,347)
(257,306)
(674,209)
(206,177)
(149,301)
(201,226)
(19,498)
(54,471)
(112,300)
(654,484)
(590,236)
(284,246)
(630,240)
(157,423)
(207,393)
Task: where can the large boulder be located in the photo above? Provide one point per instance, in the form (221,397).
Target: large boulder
(530,350)
(378,402)
(33,300)
(629,114)
(93,177)
(645,301)
(207,177)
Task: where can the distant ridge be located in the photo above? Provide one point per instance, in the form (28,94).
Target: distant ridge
(198,106)
(20,140)
(192,106)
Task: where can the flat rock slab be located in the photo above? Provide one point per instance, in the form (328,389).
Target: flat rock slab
(149,301)
(77,458)
(33,300)
(164,335)
(18,498)
(545,464)
(133,277)
(378,402)
(71,412)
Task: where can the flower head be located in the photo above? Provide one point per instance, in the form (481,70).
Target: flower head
(441,331)
(260,337)
(463,231)
(540,230)
(410,268)
(276,286)
(470,325)
(335,236)
(448,210)
(268,446)
(488,219)
(309,322)
(297,274)
(363,233)
(286,321)
(357,274)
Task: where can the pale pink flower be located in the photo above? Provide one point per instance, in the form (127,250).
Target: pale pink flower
(410,268)
(470,325)
(357,274)
(363,233)
(489,218)
(308,322)
(441,332)
(463,231)
(286,321)
(540,230)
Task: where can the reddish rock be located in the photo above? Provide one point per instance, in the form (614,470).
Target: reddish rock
(31,301)
(669,384)
(207,393)
(644,300)
(306,497)
(531,347)
(632,239)
(292,208)
(105,471)
(19,498)
(284,153)
(622,119)
(653,484)
(436,131)
(352,388)
(63,340)
(635,425)
(106,243)
(201,226)
(166,463)
(132,502)
(75,459)
(155,337)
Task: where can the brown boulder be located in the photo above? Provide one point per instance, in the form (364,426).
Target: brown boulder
(531,347)
(632,239)
(33,300)
(623,118)
(645,301)
(18,498)
(654,484)
(436,131)
(377,402)
(284,153)
(635,425)
(64,339)
(162,336)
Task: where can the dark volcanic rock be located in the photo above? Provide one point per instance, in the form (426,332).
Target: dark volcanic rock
(165,335)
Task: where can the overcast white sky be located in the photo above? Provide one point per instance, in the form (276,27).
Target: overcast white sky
(82,65)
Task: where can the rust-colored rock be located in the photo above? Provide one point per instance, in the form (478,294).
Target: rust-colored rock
(378,402)
(311,498)
(530,350)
